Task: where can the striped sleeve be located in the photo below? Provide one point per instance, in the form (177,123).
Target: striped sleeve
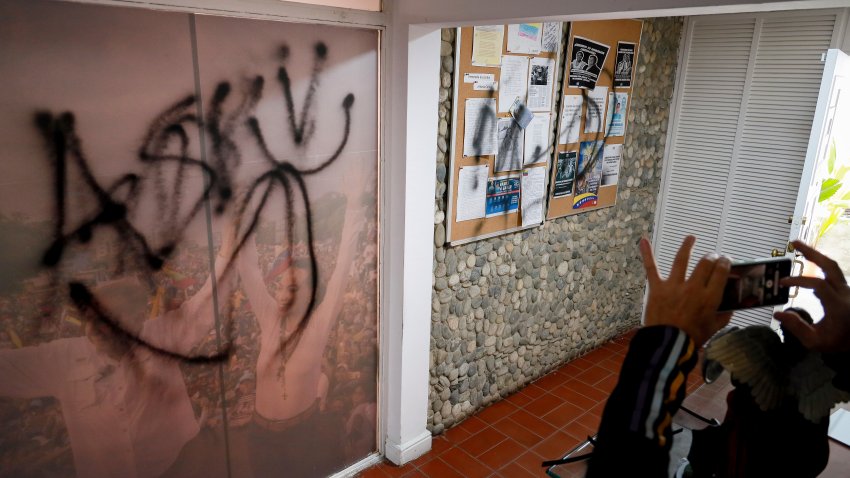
(636,424)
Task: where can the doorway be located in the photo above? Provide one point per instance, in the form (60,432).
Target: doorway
(743,110)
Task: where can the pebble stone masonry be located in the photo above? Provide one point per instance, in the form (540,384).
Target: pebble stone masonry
(507,310)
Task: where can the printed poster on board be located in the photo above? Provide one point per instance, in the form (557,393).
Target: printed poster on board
(588,58)
(525,38)
(565,173)
(611,164)
(511,140)
(623,68)
(502,195)
(588,174)
(615,122)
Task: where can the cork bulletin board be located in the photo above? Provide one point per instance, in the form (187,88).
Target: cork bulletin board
(593,120)
(470,83)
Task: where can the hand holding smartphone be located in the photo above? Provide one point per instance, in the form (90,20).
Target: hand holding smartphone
(756,284)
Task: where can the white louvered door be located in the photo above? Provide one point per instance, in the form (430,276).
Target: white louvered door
(745,101)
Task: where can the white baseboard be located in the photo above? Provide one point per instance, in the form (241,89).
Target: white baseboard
(401,453)
(361,465)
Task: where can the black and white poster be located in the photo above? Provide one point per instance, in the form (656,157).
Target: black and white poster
(540,83)
(586,63)
(623,68)
(565,173)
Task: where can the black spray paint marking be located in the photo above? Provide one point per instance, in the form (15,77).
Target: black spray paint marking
(89,305)
(225,153)
(116,203)
(163,132)
(112,212)
(64,145)
(284,174)
(303,130)
(539,153)
(600,135)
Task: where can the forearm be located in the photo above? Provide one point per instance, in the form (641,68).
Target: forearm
(248,265)
(182,329)
(345,255)
(636,428)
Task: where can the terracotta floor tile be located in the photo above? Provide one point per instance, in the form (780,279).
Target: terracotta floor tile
(599,355)
(496,412)
(465,429)
(569,395)
(564,414)
(426,457)
(551,381)
(535,424)
(502,454)
(482,441)
(439,469)
(531,460)
(518,432)
(594,375)
(570,371)
(587,390)
(463,462)
(555,445)
(414,473)
(392,470)
(373,472)
(578,431)
(612,365)
(515,470)
(474,424)
(457,434)
(608,383)
(520,399)
(543,405)
(619,344)
(590,420)
(533,391)
(631,333)
(582,363)
(598,409)
(439,444)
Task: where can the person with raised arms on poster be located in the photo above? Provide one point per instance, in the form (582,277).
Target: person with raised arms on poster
(125,406)
(283,434)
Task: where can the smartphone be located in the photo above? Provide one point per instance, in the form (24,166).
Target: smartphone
(756,284)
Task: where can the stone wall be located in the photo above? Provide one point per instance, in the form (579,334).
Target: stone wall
(507,310)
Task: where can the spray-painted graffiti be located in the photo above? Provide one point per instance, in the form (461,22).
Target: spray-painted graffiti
(115,201)
(595,143)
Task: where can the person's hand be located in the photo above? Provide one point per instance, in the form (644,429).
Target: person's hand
(832,334)
(687,303)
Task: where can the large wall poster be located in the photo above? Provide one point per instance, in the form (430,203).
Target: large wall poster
(186,204)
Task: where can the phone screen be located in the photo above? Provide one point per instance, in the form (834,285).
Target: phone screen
(756,284)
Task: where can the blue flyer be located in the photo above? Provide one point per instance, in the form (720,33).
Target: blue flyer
(502,195)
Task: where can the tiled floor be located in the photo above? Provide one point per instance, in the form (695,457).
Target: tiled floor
(513,436)
(548,418)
